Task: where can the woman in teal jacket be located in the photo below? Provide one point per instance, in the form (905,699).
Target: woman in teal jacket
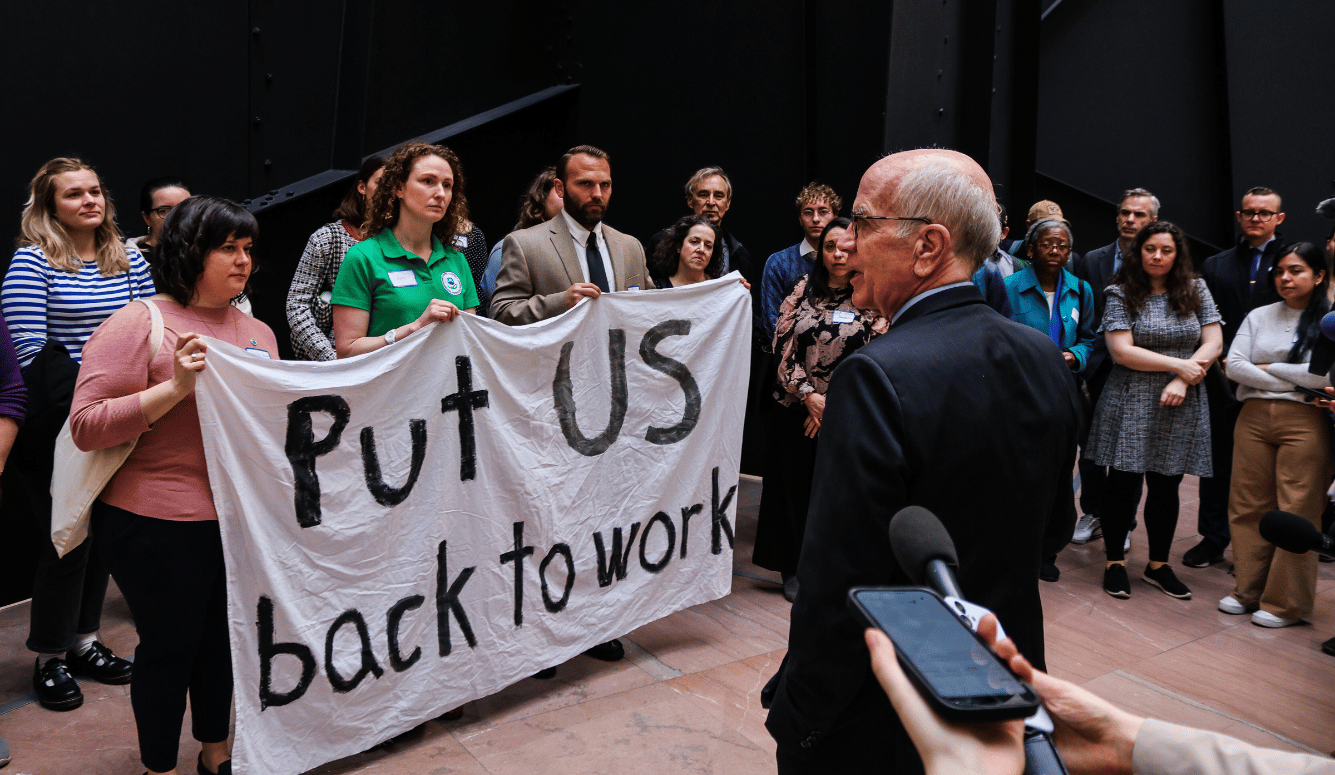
(1031,290)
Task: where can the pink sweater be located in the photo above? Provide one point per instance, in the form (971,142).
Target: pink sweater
(166,476)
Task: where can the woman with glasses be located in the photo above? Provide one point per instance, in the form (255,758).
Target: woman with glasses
(1152,421)
(69,274)
(1045,296)
(156,199)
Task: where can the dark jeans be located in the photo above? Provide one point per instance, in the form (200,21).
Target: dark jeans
(1212,514)
(171,574)
(67,592)
(782,520)
(1120,498)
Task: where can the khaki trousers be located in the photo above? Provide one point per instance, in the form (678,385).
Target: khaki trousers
(1281,460)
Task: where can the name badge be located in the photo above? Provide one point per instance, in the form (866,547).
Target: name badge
(403,278)
(843,316)
(1075,316)
(461,240)
(632,287)
(257,352)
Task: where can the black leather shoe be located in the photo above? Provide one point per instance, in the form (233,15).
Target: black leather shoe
(1203,555)
(99,664)
(545,674)
(223,769)
(56,689)
(610,651)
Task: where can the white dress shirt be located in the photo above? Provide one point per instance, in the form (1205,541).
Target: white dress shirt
(580,236)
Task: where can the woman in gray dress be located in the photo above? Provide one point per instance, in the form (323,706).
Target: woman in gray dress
(1152,422)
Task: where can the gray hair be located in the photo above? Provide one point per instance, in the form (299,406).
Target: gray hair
(1154,200)
(1042,225)
(700,176)
(948,196)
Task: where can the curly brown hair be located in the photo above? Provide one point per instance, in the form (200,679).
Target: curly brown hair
(383,210)
(532,208)
(1183,297)
(667,254)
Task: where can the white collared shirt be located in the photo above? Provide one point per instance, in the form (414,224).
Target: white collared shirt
(808,250)
(580,236)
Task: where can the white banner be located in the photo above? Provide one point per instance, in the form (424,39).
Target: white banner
(426,524)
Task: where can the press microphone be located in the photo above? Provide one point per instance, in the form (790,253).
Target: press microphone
(925,550)
(1292,533)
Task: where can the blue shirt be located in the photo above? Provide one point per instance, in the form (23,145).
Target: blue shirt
(782,271)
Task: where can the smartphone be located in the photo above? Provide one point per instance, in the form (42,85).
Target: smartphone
(1313,393)
(953,669)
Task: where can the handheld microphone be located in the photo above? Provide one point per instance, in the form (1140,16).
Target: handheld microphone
(1292,533)
(925,550)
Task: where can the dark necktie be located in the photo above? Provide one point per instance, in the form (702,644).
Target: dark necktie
(597,274)
(1256,262)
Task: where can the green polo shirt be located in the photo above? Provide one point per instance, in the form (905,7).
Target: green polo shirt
(395,286)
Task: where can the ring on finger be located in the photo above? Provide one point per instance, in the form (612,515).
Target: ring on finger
(194,357)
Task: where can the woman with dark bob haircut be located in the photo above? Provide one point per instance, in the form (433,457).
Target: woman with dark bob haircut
(155,524)
(401,277)
(1152,422)
(690,252)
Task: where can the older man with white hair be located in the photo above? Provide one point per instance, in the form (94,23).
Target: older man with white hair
(955,409)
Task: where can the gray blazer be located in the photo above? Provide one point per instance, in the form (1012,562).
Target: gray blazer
(539,263)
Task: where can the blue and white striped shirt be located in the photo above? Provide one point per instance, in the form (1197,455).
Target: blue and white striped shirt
(41,302)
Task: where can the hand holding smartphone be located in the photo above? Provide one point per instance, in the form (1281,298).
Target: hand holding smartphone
(953,669)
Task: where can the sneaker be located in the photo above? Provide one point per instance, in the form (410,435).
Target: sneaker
(1266,619)
(1087,529)
(99,664)
(1115,581)
(1164,578)
(1230,605)
(56,689)
(1203,555)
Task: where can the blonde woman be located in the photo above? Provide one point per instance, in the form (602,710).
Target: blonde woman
(70,272)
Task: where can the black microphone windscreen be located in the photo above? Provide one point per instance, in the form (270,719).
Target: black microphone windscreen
(1290,532)
(1327,208)
(917,536)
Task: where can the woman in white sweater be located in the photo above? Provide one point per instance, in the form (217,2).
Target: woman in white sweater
(1281,449)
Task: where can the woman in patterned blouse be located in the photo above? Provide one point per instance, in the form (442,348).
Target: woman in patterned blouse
(818,327)
(309,314)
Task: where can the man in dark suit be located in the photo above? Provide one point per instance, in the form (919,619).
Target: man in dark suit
(955,409)
(549,268)
(1240,279)
(1136,208)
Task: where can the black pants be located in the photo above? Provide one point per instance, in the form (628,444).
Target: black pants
(1121,495)
(67,592)
(784,500)
(171,574)
(1212,514)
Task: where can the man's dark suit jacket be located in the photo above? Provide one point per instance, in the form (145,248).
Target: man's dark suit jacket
(969,415)
(1096,268)
(1228,276)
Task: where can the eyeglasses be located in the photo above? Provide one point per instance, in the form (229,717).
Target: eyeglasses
(1263,216)
(1048,246)
(855,217)
(161,212)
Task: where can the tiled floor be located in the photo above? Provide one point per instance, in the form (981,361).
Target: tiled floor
(686,698)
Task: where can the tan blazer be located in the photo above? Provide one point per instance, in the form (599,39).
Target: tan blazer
(1168,749)
(539,263)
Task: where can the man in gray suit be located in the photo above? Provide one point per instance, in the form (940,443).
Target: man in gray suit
(548,268)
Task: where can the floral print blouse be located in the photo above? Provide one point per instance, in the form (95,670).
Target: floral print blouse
(813,336)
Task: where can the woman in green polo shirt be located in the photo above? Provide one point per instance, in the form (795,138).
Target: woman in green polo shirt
(401,278)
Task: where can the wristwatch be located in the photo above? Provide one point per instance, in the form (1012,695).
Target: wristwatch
(389,335)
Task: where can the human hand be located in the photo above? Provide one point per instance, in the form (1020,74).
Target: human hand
(810,427)
(945,747)
(1091,734)
(1173,393)
(1191,372)
(815,404)
(438,310)
(1071,362)
(580,291)
(1327,403)
(744,283)
(189,362)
